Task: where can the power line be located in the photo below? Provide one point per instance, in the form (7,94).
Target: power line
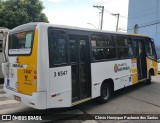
(146,25)
(99,3)
(102,2)
(100,7)
(107,11)
(122,16)
(111,13)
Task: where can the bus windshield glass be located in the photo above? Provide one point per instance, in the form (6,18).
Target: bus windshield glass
(150,50)
(21,43)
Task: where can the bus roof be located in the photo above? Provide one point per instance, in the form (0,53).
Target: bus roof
(140,35)
(34,24)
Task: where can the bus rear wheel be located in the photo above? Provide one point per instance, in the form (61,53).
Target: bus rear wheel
(106,93)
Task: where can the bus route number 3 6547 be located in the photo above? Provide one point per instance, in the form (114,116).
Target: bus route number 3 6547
(60,73)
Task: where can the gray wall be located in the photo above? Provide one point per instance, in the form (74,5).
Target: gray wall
(145,13)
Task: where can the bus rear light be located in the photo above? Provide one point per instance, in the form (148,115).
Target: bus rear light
(35,77)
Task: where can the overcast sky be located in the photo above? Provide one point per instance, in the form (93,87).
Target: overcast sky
(80,12)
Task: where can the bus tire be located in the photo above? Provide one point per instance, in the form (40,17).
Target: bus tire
(149,80)
(106,93)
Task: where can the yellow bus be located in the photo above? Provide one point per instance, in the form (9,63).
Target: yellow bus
(51,66)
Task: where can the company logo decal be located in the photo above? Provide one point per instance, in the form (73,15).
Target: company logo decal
(121,67)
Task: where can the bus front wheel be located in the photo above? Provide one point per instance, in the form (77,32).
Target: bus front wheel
(106,93)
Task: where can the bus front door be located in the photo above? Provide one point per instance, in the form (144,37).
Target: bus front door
(80,67)
(141,58)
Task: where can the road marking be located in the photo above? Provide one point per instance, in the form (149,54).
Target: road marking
(8,102)
(89,121)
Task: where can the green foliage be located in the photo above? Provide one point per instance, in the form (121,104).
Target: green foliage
(16,12)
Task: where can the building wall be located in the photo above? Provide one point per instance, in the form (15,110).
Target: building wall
(145,13)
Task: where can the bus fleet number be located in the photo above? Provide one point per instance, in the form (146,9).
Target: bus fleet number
(60,73)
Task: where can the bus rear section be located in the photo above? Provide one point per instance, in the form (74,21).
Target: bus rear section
(39,72)
(20,71)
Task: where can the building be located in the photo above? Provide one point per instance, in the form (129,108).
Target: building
(2,29)
(144,18)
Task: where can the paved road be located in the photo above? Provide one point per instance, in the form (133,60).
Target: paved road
(139,99)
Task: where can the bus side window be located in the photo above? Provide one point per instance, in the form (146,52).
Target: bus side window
(124,47)
(57,47)
(103,47)
(154,51)
(83,50)
(73,50)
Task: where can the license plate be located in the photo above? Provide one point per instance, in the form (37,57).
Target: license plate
(18,98)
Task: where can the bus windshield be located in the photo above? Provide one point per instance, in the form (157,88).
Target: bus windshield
(21,43)
(150,50)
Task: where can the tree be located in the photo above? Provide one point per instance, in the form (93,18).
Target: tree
(16,12)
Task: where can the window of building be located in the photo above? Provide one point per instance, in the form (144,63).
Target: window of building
(57,47)
(103,47)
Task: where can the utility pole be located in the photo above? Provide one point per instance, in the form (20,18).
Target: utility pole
(117,20)
(102,11)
